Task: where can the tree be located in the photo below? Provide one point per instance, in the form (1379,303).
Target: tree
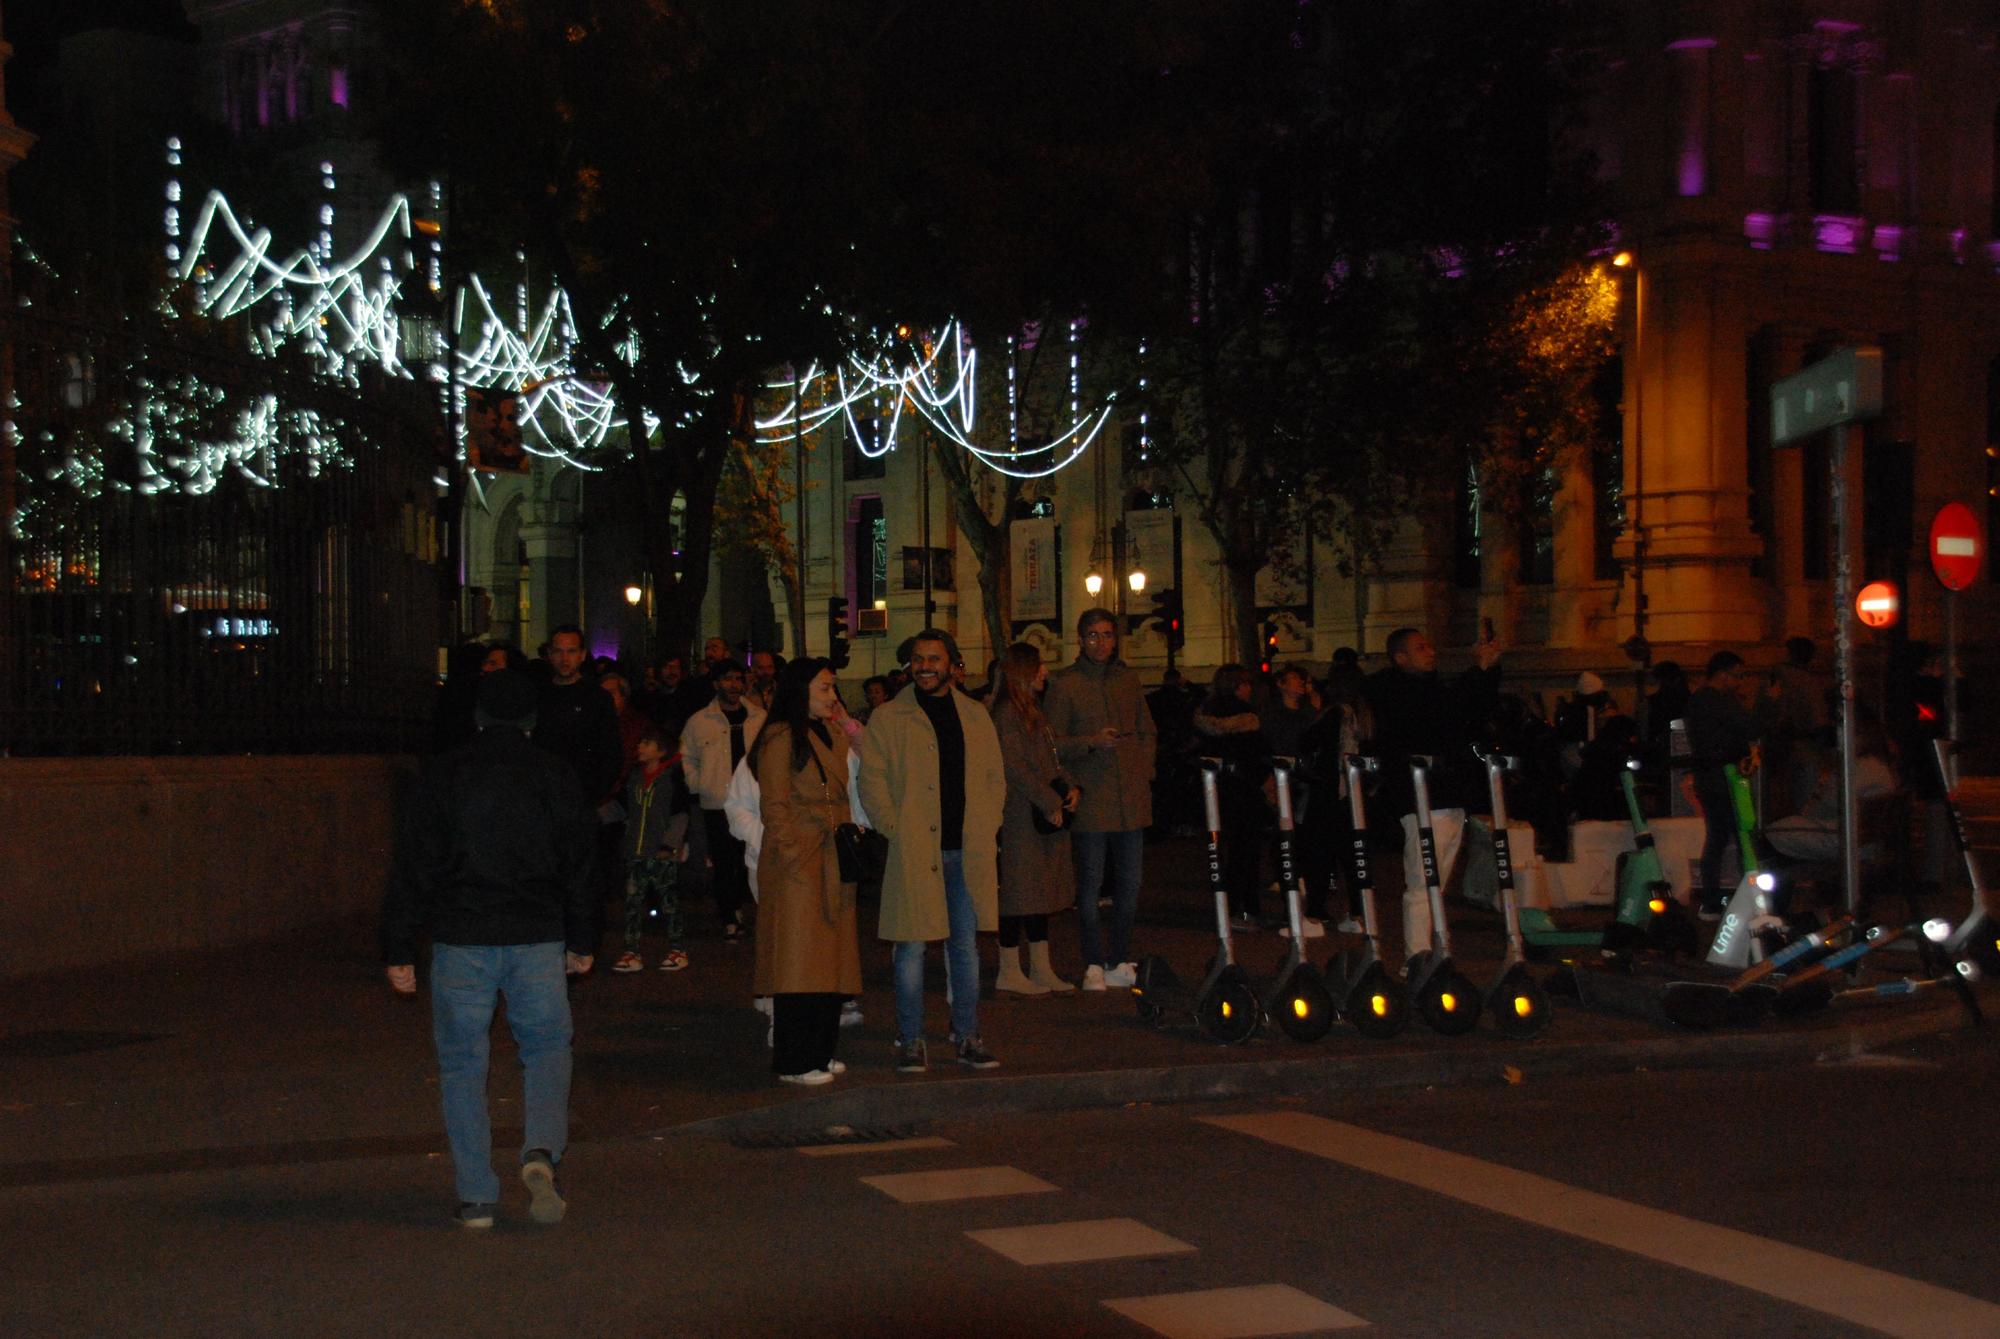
(723,189)
(1381,225)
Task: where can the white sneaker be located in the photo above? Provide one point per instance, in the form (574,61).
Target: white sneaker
(1350,926)
(1093,977)
(850,1014)
(1122,977)
(1313,929)
(811,1076)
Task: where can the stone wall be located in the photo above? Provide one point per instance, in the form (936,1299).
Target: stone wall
(113,858)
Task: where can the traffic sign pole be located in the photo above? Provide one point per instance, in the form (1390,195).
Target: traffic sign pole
(1957,551)
(1951,685)
(1843,659)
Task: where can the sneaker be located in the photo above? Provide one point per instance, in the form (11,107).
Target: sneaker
(911,1057)
(477,1216)
(1093,977)
(812,1077)
(1312,929)
(1350,926)
(675,961)
(628,961)
(1245,923)
(836,1067)
(850,1014)
(538,1174)
(973,1055)
(1122,977)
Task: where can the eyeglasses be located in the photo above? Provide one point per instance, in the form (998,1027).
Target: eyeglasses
(1100,636)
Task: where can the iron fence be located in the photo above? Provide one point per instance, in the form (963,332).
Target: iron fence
(284,602)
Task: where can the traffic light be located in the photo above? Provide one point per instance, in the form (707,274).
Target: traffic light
(836,631)
(1167,618)
(1270,646)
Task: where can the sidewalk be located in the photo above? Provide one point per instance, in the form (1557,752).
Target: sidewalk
(296,1052)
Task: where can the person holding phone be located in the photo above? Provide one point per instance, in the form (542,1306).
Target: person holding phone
(1417,712)
(1104,734)
(1036,880)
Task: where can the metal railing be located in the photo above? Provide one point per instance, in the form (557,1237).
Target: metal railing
(292,607)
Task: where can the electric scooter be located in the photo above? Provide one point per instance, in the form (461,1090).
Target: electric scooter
(1366,992)
(1446,998)
(1706,1004)
(1748,913)
(1225,1005)
(1976,935)
(1517,1002)
(1297,998)
(1647,916)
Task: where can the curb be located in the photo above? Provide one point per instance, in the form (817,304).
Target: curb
(898,1105)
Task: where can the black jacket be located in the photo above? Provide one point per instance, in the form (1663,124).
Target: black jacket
(494,847)
(1425,714)
(577,723)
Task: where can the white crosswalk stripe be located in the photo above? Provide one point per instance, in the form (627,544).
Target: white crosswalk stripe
(957,1183)
(1075,1243)
(1235,1313)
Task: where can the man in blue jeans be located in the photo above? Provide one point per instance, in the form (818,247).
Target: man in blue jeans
(493,857)
(933,783)
(1105,735)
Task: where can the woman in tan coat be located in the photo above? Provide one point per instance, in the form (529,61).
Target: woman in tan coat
(808,956)
(1036,877)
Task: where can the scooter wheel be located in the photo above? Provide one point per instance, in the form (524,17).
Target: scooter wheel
(1449,1003)
(1229,1011)
(1304,1012)
(1520,1006)
(1379,1005)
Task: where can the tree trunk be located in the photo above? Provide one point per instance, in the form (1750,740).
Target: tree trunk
(1241,574)
(991,540)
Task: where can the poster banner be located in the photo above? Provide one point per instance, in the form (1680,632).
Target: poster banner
(1149,546)
(1036,597)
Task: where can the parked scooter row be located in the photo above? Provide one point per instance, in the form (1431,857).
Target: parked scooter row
(1302,1000)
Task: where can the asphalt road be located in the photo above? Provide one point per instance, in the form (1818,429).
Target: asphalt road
(1845,1199)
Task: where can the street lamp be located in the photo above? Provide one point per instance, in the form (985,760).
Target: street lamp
(634,594)
(1093,583)
(1137,581)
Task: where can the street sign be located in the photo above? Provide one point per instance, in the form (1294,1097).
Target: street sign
(1840,388)
(1956,546)
(1878,604)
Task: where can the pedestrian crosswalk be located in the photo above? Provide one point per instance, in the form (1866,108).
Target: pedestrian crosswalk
(1242,1312)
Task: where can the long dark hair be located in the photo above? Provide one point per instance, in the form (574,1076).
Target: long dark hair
(1016,679)
(791,707)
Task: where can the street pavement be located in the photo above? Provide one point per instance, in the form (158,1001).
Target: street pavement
(153,1112)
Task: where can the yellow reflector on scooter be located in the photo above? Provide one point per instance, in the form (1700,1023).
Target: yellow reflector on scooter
(1379,1005)
(1523,1005)
(1228,1009)
(1299,1007)
(1657,907)
(1448,1001)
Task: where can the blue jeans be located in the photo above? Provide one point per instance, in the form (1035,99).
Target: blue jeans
(466,980)
(961,961)
(1089,849)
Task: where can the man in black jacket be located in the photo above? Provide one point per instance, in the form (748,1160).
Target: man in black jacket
(1417,712)
(493,858)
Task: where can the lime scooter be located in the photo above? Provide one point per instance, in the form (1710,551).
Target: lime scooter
(1297,998)
(1517,1002)
(1224,1005)
(1748,914)
(1446,999)
(1647,916)
(1366,992)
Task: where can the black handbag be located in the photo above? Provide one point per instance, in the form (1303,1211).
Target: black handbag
(1042,825)
(863,853)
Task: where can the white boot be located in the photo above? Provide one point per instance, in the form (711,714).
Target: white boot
(1011,978)
(1041,973)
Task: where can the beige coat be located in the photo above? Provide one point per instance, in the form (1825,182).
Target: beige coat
(899,791)
(806,936)
(1117,782)
(1036,876)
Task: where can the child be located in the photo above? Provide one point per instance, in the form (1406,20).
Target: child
(655,827)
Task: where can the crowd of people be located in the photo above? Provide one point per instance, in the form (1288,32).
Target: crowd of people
(559,786)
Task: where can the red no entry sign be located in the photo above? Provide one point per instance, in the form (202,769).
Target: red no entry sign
(1956,546)
(1878,605)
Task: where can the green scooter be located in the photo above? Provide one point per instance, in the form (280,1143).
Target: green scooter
(1647,917)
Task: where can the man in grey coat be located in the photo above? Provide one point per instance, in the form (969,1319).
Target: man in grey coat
(1104,734)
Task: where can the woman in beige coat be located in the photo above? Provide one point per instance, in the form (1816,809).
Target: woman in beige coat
(1036,876)
(808,955)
